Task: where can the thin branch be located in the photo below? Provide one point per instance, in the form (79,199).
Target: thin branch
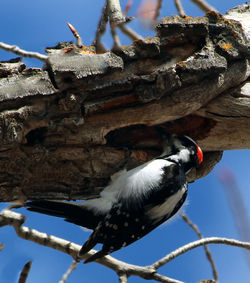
(198,243)
(66,275)
(76,35)
(25,272)
(115,14)
(204,6)
(16,220)
(8,217)
(15,49)
(127,7)
(130,33)
(157,10)
(1,246)
(207,251)
(179,8)
(117,43)
(123,278)
(237,205)
(101,28)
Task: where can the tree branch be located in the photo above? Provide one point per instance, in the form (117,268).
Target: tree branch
(130,33)
(8,217)
(66,275)
(198,243)
(207,251)
(179,7)
(16,220)
(115,13)
(72,130)
(25,272)
(123,278)
(17,50)
(204,6)
(101,28)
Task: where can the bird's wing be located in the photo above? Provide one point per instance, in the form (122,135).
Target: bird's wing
(131,218)
(165,200)
(76,213)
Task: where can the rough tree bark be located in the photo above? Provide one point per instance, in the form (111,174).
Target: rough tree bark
(66,128)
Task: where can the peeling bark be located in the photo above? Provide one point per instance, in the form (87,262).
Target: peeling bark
(66,128)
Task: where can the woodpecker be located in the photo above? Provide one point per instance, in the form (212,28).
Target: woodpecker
(135,202)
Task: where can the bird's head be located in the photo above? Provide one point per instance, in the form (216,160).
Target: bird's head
(187,148)
(182,149)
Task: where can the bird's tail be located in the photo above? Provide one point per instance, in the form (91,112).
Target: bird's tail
(76,213)
(54,208)
(95,256)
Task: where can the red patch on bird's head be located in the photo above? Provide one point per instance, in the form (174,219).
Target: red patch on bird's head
(199,154)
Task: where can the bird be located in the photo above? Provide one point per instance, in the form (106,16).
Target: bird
(135,202)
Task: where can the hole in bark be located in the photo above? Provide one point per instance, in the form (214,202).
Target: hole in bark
(135,136)
(36,136)
(67,80)
(83,112)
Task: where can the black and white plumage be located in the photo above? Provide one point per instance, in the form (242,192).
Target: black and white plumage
(135,202)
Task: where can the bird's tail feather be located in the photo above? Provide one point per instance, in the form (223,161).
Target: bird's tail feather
(95,256)
(76,213)
(91,242)
(54,208)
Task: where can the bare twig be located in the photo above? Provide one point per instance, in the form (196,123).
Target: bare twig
(127,7)
(16,220)
(115,14)
(130,33)
(179,8)
(203,5)
(25,272)
(237,205)
(8,217)
(15,49)
(101,30)
(157,10)
(207,251)
(76,35)
(69,271)
(123,278)
(117,43)
(1,246)
(198,243)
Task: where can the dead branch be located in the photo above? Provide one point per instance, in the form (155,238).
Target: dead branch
(72,267)
(204,6)
(130,33)
(63,138)
(25,272)
(17,50)
(123,278)
(198,243)
(8,217)
(16,220)
(115,13)
(237,205)
(101,28)
(207,251)
(179,7)
(157,9)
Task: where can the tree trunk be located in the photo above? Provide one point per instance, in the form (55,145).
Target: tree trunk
(65,129)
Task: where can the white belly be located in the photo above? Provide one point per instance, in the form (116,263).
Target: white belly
(168,206)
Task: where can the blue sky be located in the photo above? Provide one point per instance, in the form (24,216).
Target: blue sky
(34,25)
